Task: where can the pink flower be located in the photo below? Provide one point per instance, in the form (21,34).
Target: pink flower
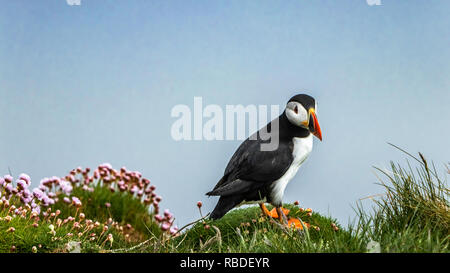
(26,178)
(37,210)
(38,193)
(106,166)
(55,179)
(67,200)
(22,184)
(26,193)
(165,226)
(45,181)
(25,200)
(76,201)
(9,187)
(174,230)
(167,214)
(47,201)
(8,178)
(134,189)
(137,174)
(65,186)
(42,188)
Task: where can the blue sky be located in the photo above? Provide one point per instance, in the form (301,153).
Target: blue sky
(83,85)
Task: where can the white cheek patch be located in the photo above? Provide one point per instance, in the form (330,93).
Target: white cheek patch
(299,118)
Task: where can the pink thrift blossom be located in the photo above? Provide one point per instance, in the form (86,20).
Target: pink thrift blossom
(158,218)
(22,184)
(165,226)
(174,230)
(9,187)
(8,178)
(38,193)
(37,210)
(134,189)
(26,178)
(65,186)
(168,214)
(106,166)
(76,201)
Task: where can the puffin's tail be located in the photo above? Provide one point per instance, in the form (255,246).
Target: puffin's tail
(225,204)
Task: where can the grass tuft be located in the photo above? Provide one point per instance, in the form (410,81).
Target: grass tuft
(413,215)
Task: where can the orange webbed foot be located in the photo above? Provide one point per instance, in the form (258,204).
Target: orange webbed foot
(295,223)
(274,213)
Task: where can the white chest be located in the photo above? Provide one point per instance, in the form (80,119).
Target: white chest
(301,151)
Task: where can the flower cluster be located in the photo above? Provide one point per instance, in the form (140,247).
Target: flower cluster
(124,181)
(76,227)
(121,180)
(166,222)
(20,193)
(19,199)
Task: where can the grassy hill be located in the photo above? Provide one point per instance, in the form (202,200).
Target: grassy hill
(119,211)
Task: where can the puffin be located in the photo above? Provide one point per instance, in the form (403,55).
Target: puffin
(259,175)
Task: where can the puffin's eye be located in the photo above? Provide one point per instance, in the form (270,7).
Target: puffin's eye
(296,109)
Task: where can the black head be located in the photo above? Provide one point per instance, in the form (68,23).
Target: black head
(301,111)
(307,101)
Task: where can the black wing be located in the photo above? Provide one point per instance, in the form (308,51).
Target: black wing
(251,168)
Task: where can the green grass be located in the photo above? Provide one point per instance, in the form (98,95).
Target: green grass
(246,230)
(414,214)
(26,236)
(411,216)
(124,208)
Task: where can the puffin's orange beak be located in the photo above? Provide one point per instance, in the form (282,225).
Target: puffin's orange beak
(317,132)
